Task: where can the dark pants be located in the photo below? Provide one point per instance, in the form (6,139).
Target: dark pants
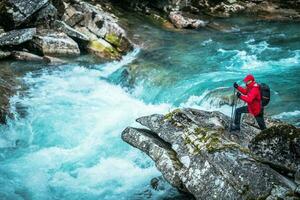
(259,118)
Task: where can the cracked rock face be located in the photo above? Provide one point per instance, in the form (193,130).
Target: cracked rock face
(195,153)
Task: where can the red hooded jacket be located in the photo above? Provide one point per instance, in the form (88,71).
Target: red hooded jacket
(251,95)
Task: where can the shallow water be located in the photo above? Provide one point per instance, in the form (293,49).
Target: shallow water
(69,147)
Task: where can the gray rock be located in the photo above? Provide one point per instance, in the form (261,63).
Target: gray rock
(25,56)
(79,37)
(53,60)
(45,16)
(74,19)
(8,84)
(16,37)
(48,42)
(278,146)
(4,54)
(195,152)
(97,24)
(15,12)
(181,21)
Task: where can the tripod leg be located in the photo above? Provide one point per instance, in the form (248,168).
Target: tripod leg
(232,110)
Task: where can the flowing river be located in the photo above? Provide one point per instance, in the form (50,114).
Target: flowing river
(68,145)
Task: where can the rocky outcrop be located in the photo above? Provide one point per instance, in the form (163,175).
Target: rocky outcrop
(63,28)
(106,38)
(196,153)
(269,9)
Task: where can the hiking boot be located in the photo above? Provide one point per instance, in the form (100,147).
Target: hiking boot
(235,127)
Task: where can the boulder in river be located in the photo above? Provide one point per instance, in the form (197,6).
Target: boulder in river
(16,37)
(196,153)
(181,21)
(48,42)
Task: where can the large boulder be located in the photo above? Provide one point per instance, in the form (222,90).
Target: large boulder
(16,37)
(48,42)
(14,13)
(279,146)
(196,153)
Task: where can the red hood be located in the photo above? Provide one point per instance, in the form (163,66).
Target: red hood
(249,77)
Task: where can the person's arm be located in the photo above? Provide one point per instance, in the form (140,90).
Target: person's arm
(250,96)
(242,90)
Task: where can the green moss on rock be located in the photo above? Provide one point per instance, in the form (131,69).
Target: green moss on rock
(103,49)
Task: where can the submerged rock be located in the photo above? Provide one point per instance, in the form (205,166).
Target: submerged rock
(196,153)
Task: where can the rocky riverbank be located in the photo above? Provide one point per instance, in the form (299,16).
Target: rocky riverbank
(49,31)
(201,13)
(197,154)
(35,30)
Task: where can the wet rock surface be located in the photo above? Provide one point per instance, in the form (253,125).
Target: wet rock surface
(196,153)
(8,86)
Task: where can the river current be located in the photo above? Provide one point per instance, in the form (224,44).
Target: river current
(68,146)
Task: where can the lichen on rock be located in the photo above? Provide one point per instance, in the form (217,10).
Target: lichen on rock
(206,160)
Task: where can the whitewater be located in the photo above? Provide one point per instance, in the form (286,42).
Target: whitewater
(67,144)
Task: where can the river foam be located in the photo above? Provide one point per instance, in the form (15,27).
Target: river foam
(71,145)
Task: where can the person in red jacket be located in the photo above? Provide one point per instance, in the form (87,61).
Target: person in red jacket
(251,95)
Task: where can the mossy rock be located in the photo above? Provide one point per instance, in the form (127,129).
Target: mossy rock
(121,43)
(103,49)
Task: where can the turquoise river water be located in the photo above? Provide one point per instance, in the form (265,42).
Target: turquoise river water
(68,145)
